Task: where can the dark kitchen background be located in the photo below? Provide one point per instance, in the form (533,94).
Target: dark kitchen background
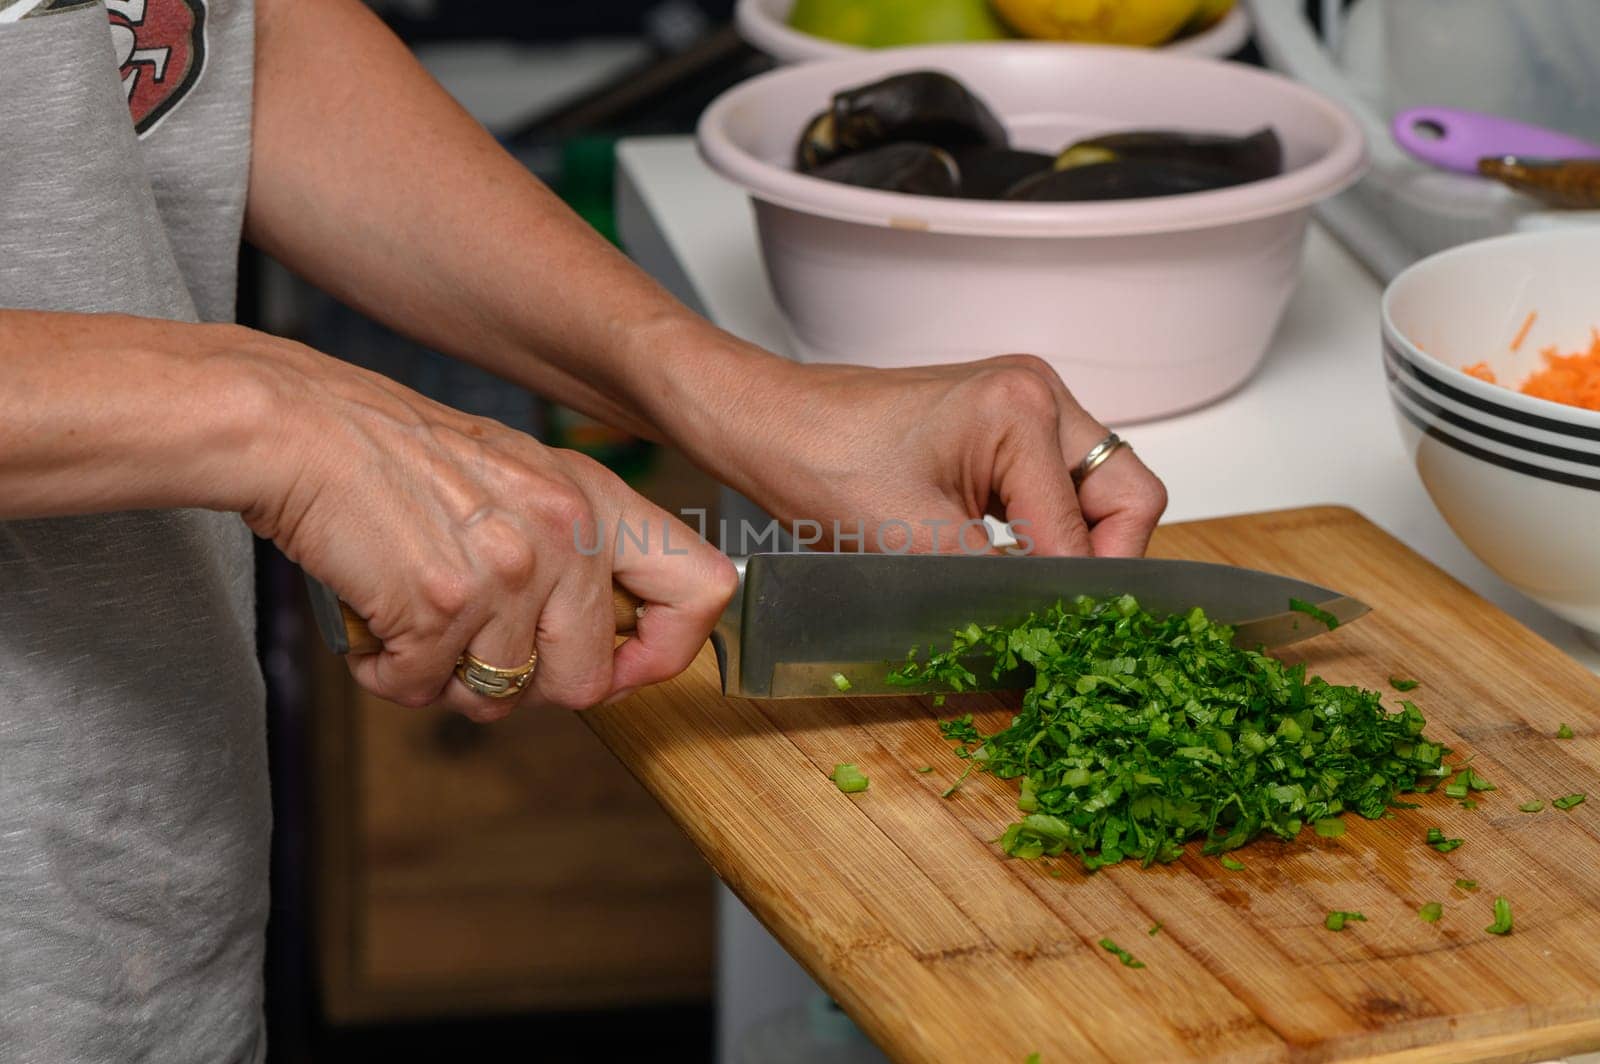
(441,889)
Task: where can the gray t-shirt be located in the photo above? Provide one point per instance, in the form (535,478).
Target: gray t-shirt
(134,813)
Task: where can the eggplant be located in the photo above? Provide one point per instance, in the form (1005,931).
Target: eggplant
(1122,179)
(1250,158)
(920,169)
(987,172)
(923,106)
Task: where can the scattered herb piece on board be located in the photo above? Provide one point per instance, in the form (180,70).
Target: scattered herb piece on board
(1467,884)
(1431,912)
(1404,685)
(1316,613)
(1033,1058)
(1563,732)
(1440,842)
(1338,917)
(1329,827)
(1154,928)
(1476,782)
(1141,732)
(956,786)
(1457,788)
(1232,864)
(1502,918)
(1531,807)
(1468,803)
(925,769)
(1122,955)
(848,778)
(1569,801)
(841,681)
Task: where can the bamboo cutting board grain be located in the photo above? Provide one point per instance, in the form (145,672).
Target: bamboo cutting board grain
(944,951)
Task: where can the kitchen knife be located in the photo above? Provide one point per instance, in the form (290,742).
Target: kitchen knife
(801,619)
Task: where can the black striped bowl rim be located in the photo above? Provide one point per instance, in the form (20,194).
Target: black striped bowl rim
(1452,408)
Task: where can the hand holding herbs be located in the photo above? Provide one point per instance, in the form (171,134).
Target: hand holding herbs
(1143,732)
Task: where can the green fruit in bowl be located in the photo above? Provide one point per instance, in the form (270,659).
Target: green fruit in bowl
(886,23)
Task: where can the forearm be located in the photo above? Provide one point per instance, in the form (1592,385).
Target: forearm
(378,188)
(103,412)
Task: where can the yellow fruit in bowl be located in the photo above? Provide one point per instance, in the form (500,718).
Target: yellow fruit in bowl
(1144,22)
(886,23)
(1208,14)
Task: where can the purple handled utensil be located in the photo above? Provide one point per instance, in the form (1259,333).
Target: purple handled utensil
(1456,139)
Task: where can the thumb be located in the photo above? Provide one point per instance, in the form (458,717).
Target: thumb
(685,583)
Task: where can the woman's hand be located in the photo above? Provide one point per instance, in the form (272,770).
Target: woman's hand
(931,447)
(453,534)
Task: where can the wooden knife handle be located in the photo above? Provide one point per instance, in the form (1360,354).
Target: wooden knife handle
(625,609)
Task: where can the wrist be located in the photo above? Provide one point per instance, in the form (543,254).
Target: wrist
(267,393)
(711,394)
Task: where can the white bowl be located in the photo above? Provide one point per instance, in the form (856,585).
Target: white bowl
(1517,478)
(765,25)
(1146,307)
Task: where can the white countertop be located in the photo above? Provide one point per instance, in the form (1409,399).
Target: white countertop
(1314,424)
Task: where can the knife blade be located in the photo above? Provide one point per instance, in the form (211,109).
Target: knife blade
(801,619)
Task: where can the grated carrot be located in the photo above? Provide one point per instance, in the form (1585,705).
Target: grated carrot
(1481,371)
(1522,333)
(1572,379)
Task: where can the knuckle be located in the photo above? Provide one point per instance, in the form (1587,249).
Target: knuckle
(562,507)
(444,591)
(1013,390)
(1032,363)
(505,550)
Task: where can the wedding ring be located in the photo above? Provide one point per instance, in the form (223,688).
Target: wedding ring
(1096,457)
(491,681)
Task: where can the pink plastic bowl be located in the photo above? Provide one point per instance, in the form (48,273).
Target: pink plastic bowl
(1145,307)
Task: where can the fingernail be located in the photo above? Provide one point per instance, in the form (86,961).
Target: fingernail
(626,692)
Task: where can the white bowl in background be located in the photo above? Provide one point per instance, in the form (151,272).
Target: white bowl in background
(1517,478)
(765,25)
(1146,307)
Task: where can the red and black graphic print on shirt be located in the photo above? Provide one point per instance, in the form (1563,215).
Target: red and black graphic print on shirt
(161,49)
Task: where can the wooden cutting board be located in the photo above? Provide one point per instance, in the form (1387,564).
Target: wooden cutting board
(943,950)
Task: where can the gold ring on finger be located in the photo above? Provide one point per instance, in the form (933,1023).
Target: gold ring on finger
(1096,457)
(492,681)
